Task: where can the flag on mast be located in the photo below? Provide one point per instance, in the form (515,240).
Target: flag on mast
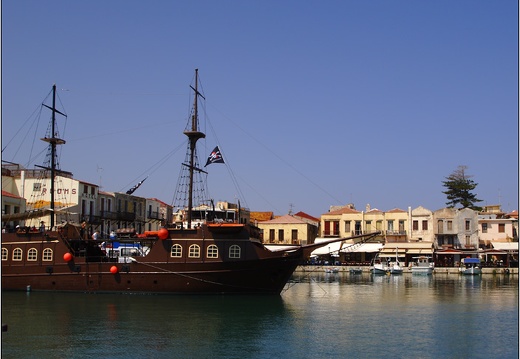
(132,190)
(215,157)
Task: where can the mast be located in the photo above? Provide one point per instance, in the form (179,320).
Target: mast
(53,141)
(193,135)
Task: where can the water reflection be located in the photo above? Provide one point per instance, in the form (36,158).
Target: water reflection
(124,325)
(432,316)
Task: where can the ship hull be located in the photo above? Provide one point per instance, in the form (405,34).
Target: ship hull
(260,277)
(257,271)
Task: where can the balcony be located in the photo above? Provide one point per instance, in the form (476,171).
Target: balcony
(118,216)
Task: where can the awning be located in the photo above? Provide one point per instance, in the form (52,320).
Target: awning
(420,251)
(365,248)
(327,249)
(506,246)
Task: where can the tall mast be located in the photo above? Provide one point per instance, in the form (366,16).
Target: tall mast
(53,141)
(193,135)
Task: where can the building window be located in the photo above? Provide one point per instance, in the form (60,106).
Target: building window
(440,226)
(93,191)
(336,228)
(501,228)
(484,227)
(280,235)
(468,241)
(271,235)
(391,226)
(194,251)
(450,225)
(212,251)
(85,189)
(234,251)
(176,251)
(294,234)
(415,225)
(379,225)
(17,254)
(468,225)
(357,228)
(401,227)
(47,255)
(5,254)
(347,226)
(424,225)
(32,255)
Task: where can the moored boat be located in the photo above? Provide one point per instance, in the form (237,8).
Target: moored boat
(199,254)
(378,266)
(471,266)
(395,267)
(422,265)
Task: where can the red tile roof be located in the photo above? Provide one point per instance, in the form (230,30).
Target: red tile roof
(8,194)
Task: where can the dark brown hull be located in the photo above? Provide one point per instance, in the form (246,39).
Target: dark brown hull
(258,277)
(258,271)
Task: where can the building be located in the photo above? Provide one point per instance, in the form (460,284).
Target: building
(289,230)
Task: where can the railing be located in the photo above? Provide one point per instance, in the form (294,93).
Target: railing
(118,216)
(154,215)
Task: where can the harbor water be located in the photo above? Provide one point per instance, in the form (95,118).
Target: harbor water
(318,315)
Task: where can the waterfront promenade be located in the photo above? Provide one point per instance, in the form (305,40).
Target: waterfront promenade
(406,270)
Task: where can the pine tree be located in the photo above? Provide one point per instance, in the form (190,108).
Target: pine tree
(459,187)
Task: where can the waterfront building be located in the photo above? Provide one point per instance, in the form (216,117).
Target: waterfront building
(12,206)
(422,225)
(498,237)
(74,200)
(289,230)
(158,214)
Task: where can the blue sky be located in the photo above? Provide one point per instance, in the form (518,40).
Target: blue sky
(313,103)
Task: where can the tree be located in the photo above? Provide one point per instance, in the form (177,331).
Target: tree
(459,187)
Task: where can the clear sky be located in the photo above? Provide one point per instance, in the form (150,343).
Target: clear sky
(313,103)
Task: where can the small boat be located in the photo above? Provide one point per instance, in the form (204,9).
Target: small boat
(331,270)
(378,267)
(471,266)
(355,271)
(422,265)
(395,267)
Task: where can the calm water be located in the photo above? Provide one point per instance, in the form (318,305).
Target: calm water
(318,316)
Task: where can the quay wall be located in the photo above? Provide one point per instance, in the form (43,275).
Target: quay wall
(438,270)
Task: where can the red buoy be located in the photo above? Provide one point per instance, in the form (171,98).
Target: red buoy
(163,233)
(114,270)
(67,257)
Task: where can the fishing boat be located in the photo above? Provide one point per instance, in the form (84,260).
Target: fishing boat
(470,266)
(422,265)
(395,267)
(378,266)
(197,254)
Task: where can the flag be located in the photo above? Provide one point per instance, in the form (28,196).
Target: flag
(214,157)
(132,190)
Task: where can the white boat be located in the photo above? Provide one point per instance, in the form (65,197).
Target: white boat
(471,266)
(422,265)
(378,267)
(395,267)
